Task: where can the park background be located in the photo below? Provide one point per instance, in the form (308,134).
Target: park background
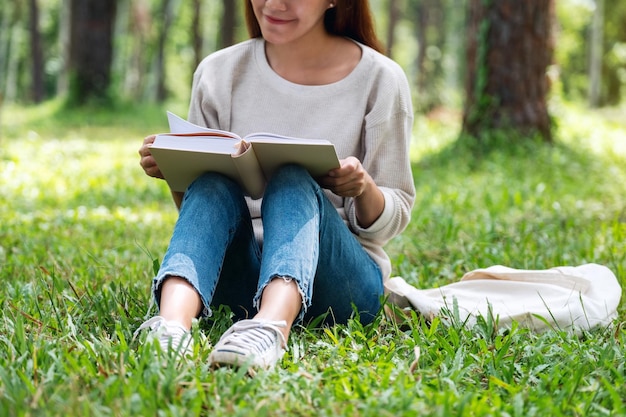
(519,158)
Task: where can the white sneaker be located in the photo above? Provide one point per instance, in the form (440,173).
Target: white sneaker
(172,335)
(258,343)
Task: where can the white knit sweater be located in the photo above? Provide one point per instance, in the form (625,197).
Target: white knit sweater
(368,114)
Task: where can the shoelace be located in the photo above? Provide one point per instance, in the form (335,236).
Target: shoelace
(255,335)
(153,324)
(173,334)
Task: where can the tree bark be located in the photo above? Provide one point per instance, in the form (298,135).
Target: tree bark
(13,61)
(64,39)
(196,32)
(454,40)
(167,16)
(228,24)
(421,22)
(510,47)
(91,49)
(595,57)
(37,88)
(429,29)
(394,17)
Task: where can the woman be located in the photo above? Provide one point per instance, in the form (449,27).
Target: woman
(310,246)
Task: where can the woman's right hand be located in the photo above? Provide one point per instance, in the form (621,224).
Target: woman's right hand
(147,161)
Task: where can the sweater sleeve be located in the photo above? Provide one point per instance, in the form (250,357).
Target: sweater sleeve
(199,112)
(386,157)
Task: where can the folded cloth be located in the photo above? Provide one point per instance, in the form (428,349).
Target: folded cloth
(575,298)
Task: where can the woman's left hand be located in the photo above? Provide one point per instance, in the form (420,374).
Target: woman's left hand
(349,180)
(352,180)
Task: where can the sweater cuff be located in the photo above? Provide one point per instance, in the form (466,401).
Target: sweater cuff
(383,220)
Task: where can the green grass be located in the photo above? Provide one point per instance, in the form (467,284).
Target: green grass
(81,225)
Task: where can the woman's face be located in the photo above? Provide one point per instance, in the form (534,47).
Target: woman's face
(286,21)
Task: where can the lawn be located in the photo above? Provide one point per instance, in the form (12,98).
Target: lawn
(81,229)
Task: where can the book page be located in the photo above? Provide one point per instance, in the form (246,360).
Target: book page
(274,138)
(208,143)
(178,125)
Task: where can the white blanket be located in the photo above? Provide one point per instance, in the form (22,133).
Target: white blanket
(567,298)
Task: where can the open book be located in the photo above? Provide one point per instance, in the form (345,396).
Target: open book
(191,150)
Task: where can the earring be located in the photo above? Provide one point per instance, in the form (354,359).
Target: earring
(331,5)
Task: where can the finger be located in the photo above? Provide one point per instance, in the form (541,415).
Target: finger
(152,170)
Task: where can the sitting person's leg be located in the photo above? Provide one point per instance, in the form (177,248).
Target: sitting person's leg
(290,229)
(213,220)
(296,215)
(307,240)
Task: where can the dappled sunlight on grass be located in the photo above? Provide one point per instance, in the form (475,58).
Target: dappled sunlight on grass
(51,120)
(431,135)
(82,229)
(526,205)
(76,190)
(44,218)
(597,131)
(76,172)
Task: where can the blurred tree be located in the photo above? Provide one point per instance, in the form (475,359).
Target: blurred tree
(11,48)
(133,49)
(509,50)
(595,56)
(428,17)
(453,60)
(91,49)
(166,17)
(196,32)
(614,53)
(228,23)
(394,18)
(571,56)
(591,53)
(428,39)
(37,89)
(63,39)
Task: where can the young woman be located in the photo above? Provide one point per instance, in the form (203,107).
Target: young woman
(310,246)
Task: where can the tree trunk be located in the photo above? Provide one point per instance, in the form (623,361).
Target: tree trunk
(133,55)
(36,52)
(420,20)
(5,45)
(63,77)
(453,60)
(394,17)
(196,32)
(429,29)
(167,16)
(228,24)
(509,49)
(13,62)
(595,57)
(91,49)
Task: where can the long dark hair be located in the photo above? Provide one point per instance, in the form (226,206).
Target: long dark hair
(349,18)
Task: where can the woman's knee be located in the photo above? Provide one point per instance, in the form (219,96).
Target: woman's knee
(212,183)
(212,186)
(290,175)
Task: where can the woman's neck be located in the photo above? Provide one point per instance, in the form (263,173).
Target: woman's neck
(324,60)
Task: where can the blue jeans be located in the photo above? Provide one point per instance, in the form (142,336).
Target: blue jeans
(213,247)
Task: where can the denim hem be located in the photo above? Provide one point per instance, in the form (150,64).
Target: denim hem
(305,302)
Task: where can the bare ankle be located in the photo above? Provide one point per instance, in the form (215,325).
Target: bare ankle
(179,302)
